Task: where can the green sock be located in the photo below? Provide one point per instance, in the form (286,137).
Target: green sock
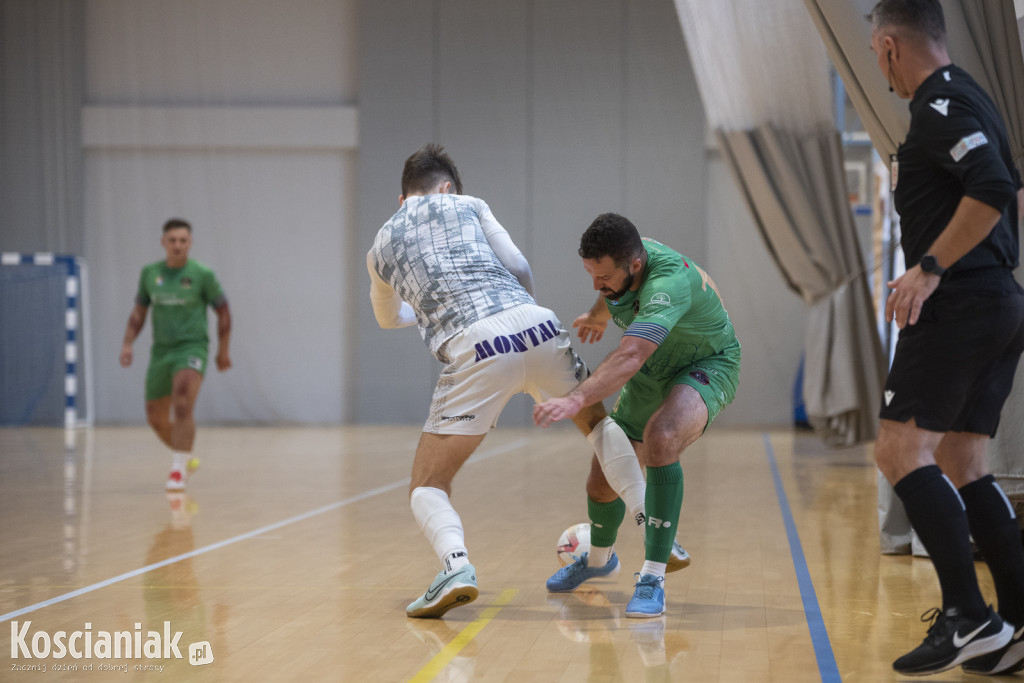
(662,501)
(605,519)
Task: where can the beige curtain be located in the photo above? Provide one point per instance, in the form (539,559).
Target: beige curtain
(769,102)
(793,185)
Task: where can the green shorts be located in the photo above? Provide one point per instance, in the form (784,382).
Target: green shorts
(165,363)
(715,378)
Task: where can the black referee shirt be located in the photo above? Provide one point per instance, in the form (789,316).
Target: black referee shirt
(956,146)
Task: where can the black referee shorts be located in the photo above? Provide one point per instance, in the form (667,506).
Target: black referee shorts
(953,369)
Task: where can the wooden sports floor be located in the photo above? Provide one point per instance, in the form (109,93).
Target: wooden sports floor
(294,553)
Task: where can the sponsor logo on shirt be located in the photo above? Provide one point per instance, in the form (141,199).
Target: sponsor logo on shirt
(656,302)
(960,149)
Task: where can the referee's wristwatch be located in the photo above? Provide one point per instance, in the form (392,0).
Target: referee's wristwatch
(930,265)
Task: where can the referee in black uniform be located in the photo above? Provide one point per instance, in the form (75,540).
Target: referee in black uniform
(961,319)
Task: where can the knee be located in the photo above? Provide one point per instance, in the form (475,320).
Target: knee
(590,417)
(156,418)
(661,447)
(181,406)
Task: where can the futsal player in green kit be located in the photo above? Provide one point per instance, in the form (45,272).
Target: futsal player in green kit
(179,289)
(676,367)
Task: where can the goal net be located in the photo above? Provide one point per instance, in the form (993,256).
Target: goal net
(42,347)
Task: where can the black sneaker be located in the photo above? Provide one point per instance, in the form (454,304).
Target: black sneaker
(952,640)
(1006,660)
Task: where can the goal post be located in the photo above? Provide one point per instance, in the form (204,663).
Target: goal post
(44,341)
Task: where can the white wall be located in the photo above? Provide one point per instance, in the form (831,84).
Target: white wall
(240,115)
(272,206)
(768,316)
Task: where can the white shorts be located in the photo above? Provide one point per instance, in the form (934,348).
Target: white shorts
(523,349)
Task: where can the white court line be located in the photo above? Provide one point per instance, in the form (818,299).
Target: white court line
(256,532)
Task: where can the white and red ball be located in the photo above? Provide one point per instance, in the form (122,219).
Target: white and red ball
(573,542)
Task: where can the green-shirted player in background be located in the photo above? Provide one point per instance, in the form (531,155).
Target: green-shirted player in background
(179,289)
(677,366)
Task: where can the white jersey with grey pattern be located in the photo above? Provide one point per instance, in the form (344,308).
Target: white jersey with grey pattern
(436,256)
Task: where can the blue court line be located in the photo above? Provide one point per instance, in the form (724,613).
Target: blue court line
(241,537)
(815,624)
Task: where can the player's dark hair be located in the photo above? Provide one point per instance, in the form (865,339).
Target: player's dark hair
(177,223)
(426,168)
(614,236)
(922,18)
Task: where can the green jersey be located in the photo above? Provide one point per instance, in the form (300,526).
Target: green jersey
(179,297)
(678,308)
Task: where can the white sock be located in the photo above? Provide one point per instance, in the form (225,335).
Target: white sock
(441,525)
(179,460)
(656,568)
(620,466)
(598,557)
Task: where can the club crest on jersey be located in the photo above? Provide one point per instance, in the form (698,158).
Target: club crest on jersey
(186,282)
(159,281)
(700,377)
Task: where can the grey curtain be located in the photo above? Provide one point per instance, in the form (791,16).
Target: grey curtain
(42,57)
(794,187)
(993,33)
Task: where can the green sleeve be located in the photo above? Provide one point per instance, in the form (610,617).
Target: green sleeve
(142,297)
(213,294)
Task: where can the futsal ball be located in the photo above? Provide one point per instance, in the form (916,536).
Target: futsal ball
(573,542)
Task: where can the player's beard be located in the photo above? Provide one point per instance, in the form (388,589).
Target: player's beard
(615,296)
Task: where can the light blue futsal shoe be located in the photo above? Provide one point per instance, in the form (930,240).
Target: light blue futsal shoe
(678,559)
(446,591)
(569,577)
(648,598)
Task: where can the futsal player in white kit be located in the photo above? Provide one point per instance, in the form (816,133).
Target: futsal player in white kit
(444,263)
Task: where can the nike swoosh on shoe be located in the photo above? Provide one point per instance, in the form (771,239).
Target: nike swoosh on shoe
(444,583)
(960,642)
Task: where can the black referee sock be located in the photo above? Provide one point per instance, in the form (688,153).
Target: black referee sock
(937,514)
(995,530)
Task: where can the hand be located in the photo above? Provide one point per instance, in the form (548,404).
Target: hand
(557,409)
(223,360)
(126,356)
(590,328)
(909,292)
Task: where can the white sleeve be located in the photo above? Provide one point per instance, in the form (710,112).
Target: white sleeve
(389,309)
(504,248)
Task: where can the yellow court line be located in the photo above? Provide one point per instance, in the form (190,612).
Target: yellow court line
(448,652)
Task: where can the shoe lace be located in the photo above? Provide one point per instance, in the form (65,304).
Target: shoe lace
(577,567)
(645,588)
(941,625)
